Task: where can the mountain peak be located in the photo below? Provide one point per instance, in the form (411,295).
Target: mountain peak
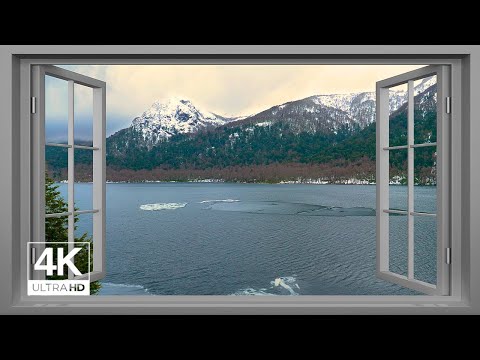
(170,105)
(176,115)
(174,100)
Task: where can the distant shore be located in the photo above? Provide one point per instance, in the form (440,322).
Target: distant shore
(282,182)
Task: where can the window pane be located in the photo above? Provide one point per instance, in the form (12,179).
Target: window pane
(425,249)
(425,110)
(398,99)
(425,193)
(56,110)
(83,179)
(56,190)
(398,190)
(83,109)
(84,233)
(398,244)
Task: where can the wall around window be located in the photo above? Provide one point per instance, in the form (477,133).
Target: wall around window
(10,182)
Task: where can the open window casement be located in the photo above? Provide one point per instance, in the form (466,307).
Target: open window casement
(96,150)
(408,233)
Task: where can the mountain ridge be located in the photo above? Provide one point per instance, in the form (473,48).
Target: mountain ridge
(325,112)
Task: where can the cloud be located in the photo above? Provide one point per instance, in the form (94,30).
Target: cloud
(225,89)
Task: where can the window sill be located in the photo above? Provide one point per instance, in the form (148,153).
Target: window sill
(217,305)
(231,301)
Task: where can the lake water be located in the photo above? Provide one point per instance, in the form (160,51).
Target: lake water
(253,239)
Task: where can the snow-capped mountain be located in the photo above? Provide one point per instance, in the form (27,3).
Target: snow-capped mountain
(175,116)
(315,114)
(324,113)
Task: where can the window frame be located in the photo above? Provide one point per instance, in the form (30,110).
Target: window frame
(98,148)
(460,258)
(383,151)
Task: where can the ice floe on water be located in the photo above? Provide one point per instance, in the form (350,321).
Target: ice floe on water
(283,285)
(281,282)
(215,201)
(122,289)
(162,206)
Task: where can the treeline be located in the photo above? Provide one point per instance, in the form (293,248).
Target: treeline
(335,172)
(225,146)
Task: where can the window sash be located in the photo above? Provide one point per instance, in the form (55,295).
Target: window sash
(99,167)
(442,286)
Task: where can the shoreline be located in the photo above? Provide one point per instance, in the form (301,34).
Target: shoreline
(217,181)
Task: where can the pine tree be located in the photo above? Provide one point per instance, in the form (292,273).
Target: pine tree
(56,230)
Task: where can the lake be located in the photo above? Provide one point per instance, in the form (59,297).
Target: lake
(253,239)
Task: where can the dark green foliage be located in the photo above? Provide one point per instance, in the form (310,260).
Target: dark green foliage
(230,146)
(56,230)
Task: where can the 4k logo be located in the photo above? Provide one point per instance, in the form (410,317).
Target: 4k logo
(45,278)
(47,255)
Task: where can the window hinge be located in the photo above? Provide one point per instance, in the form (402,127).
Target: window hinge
(32,256)
(33,104)
(449,105)
(448,255)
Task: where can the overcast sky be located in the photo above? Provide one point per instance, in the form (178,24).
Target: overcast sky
(229,90)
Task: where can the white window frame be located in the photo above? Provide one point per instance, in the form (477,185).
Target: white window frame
(383,150)
(39,72)
(16,145)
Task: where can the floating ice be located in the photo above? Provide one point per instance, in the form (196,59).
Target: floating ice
(253,292)
(281,282)
(223,200)
(122,289)
(162,206)
(285,282)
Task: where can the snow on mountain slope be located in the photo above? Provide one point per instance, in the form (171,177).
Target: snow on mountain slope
(424,84)
(350,102)
(322,113)
(176,116)
(342,101)
(332,112)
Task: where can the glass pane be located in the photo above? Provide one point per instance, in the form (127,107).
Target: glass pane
(398,190)
(83,109)
(425,193)
(425,110)
(83,179)
(84,233)
(425,249)
(398,99)
(56,188)
(398,231)
(56,110)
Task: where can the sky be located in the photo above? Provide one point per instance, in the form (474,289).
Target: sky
(228,90)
